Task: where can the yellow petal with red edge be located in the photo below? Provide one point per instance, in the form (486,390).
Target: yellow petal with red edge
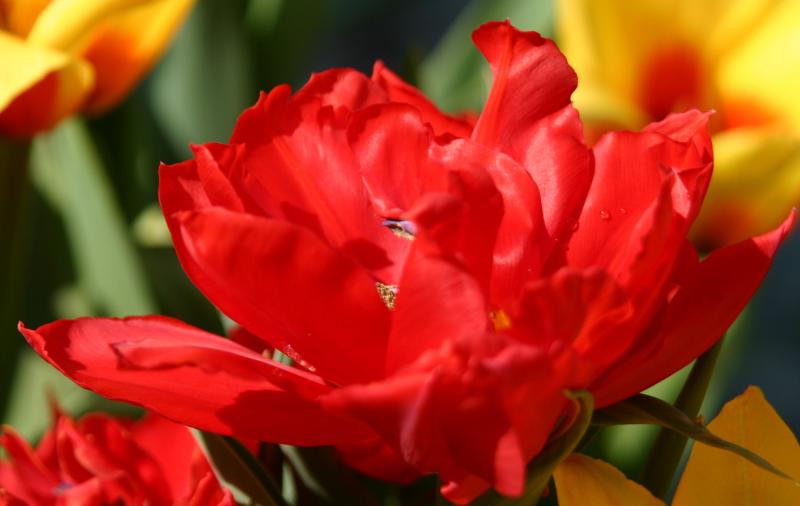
(38,86)
(764,69)
(714,476)
(756,183)
(584,481)
(18,16)
(125,46)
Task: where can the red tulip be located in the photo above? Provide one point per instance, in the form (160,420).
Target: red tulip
(437,283)
(100,459)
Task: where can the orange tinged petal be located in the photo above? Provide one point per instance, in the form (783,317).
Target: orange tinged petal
(63,24)
(18,16)
(584,481)
(121,39)
(38,87)
(125,46)
(714,476)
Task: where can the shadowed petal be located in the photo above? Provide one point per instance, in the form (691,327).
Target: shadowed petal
(139,360)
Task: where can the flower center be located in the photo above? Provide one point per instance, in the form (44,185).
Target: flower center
(500,319)
(401,228)
(388,294)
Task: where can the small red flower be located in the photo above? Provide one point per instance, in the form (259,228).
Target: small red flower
(100,459)
(438,283)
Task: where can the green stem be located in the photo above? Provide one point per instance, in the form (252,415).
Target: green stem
(665,456)
(14,189)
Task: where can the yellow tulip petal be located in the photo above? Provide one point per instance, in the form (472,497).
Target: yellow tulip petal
(18,16)
(765,67)
(661,55)
(64,24)
(631,52)
(584,481)
(38,87)
(125,46)
(756,182)
(714,476)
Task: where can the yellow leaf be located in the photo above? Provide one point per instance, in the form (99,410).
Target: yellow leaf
(714,476)
(584,481)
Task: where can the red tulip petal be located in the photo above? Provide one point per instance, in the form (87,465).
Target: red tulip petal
(629,175)
(172,446)
(528,116)
(23,475)
(531,80)
(284,284)
(104,454)
(470,234)
(408,410)
(400,163)
(521,245)
(299,167)
(212,176)
(710,296)
(437,301)
(102,355)
(585,311)
(209,493)
(92,492)
(464,491)
(391,144)
(343,88)
(377,459)
(689,155)
(272,115)
(554,154)
(402,92)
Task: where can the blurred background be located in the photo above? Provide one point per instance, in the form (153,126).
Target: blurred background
(112,255)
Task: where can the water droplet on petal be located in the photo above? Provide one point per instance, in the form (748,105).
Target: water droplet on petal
(574,225)
(622,210)
(290,352)
(605,215)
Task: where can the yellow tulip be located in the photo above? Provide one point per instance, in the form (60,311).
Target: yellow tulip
(639,61)
(60,57)
(712,476)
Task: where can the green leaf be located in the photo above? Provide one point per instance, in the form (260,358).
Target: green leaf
(644,409)
(206,80)
(238,470)
(14,237)
(324,476)
(455,75)
(67,169)
(542,466)
(668,448)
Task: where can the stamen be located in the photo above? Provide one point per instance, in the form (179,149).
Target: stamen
(401,228)
(388,294)
(500,319)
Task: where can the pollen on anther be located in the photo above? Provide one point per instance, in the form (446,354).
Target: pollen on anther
(500,320)
(388,294)
(401,228)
